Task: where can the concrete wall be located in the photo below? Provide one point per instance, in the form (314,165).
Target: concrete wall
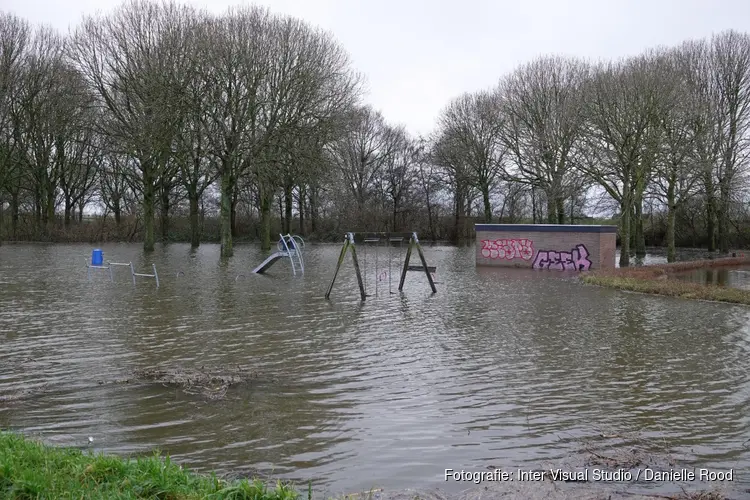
(546,246)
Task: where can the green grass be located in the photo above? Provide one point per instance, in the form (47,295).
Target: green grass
(31,470)
(659,280)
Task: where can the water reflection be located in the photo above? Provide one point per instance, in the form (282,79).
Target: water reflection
(734,278)
(501,366)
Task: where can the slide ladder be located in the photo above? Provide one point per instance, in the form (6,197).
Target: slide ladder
(290,246)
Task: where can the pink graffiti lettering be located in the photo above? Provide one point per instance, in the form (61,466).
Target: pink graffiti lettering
(508,249)
(575,260)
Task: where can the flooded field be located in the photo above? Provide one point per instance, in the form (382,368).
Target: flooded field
(500,368)
(727,277)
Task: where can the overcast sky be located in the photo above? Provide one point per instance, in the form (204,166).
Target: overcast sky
(418,54)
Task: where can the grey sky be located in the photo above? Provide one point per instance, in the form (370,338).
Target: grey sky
(418,54)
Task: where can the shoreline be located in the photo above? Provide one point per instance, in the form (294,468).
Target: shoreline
(29,469)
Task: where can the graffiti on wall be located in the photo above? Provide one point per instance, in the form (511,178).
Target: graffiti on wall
(575,260)
(508,249)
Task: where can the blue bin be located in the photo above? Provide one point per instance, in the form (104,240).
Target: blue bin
(97,257)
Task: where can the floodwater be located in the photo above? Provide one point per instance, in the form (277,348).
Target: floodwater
(500,368)
(728,277)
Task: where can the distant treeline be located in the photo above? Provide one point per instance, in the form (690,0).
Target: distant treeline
(182,125)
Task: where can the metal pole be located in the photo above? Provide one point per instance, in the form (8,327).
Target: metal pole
(132,272)
(362,292)
(406,264)
(338,265)
(424,264)
(364,245)
(156,275)
(377,276)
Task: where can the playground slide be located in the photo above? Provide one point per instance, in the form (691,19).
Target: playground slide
(269,262)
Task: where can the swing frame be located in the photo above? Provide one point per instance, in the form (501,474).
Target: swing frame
(350,241)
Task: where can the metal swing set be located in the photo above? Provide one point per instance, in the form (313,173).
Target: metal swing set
(378,240)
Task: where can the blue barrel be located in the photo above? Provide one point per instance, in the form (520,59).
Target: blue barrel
(97,257)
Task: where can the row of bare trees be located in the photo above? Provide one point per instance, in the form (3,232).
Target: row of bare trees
(669,126)
(157,100)
(159,110)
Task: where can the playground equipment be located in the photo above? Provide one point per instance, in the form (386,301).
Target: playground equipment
(97,262)
(385,238)
(290,246)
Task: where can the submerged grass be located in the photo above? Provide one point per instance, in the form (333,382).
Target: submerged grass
(659,280)
(31,470)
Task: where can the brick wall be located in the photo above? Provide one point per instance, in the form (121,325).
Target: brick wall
(543,246)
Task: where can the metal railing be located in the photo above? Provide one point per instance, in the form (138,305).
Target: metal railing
(133,274)
(298,244)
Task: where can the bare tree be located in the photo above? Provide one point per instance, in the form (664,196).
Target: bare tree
(446,153)
(730,54)
(237,65)
(544,122)
(362,154)
(620,109)
(706,124)
(136,61)
(474,123)
(15,35)
(677,167)
(196,166)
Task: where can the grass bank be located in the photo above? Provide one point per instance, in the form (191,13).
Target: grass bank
(31,470)
(660,280)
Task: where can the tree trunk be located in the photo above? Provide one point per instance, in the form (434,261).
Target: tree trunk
(533,206)
(460,206)
(302,198)
(117,211)
(625,225)
(572,210)
(551,210)
(149,189)
(14,213)
(671,209)
(165,213)
(560,202)
(288,206)
(195,230)
(430,220)
(723,213)
(227,190)
(487,206)
(50,207)
(37,215)
(632,230)
(640,238)
(233,210)
(68,211)
(266,199)
(710,211)
(313,209)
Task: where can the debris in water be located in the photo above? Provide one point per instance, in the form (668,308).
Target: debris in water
(211,385)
